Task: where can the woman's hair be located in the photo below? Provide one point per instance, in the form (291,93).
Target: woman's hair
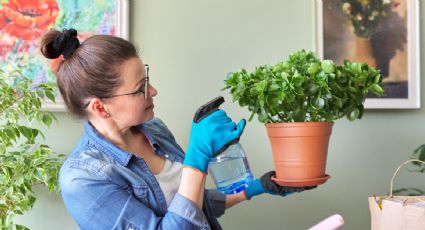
(89,69)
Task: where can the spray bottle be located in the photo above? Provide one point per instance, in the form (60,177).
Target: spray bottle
(229,166)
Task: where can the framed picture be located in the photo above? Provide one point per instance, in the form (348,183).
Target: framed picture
(382,33)
(23,22)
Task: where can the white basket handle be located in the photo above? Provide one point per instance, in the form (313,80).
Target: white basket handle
(395,173)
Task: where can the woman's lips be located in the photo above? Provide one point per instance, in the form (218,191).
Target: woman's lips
(150,107)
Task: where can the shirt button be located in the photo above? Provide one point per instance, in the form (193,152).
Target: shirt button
(166,155)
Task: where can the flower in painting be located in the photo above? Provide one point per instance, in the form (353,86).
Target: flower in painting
(346,8)
(28,19)
(359,17)
(364,2)
(365,15)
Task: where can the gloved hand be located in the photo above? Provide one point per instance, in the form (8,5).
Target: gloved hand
(209,136)
(266,185)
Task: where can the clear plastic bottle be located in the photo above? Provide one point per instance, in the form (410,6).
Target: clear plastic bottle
(230,170)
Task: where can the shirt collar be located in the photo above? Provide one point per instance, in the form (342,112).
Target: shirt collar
(148,135)
(105,146)
(122,156)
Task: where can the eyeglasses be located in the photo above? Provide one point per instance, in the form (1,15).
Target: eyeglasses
(144,88)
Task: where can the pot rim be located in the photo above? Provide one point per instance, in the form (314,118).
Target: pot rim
(299,124)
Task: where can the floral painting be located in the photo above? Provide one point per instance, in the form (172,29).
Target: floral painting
(376,32)
(23,22)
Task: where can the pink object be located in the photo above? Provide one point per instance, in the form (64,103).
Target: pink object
(331,223)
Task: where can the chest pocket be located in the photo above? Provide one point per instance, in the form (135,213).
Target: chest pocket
(140,192)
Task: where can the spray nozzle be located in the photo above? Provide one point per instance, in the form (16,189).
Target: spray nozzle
(208,108)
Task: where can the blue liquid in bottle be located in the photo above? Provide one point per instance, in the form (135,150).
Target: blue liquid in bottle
(230,170)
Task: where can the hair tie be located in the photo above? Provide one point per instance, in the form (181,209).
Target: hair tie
(67,42)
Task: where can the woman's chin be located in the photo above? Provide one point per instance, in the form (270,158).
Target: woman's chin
(149,115)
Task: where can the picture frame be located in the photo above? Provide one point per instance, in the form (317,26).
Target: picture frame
(19,45)
(387,39)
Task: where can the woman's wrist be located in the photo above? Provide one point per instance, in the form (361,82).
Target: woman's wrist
(234,199)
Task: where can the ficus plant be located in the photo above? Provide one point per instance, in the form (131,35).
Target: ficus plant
(304,89)
(24,160)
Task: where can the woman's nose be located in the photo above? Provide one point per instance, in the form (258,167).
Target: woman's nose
(152,91)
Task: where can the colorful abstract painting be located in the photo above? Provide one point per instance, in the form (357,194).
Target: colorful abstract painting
(23,22)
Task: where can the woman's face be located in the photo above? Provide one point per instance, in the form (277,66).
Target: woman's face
(132,109)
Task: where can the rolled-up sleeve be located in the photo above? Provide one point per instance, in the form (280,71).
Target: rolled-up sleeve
(97,203)
(182,214)
(189,210)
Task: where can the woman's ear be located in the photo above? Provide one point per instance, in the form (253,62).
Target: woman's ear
(98,108)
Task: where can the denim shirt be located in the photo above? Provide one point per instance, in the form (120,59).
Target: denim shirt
(106,187)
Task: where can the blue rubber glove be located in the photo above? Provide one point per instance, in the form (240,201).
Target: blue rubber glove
(209,136)
(266,185)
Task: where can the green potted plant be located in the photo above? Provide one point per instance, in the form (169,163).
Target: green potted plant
(298,100)
(24,160)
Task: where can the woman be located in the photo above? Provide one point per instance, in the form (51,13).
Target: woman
(128,172)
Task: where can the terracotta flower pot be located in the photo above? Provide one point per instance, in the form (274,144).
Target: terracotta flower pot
(300,152)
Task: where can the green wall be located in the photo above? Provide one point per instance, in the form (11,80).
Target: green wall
(190,46)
